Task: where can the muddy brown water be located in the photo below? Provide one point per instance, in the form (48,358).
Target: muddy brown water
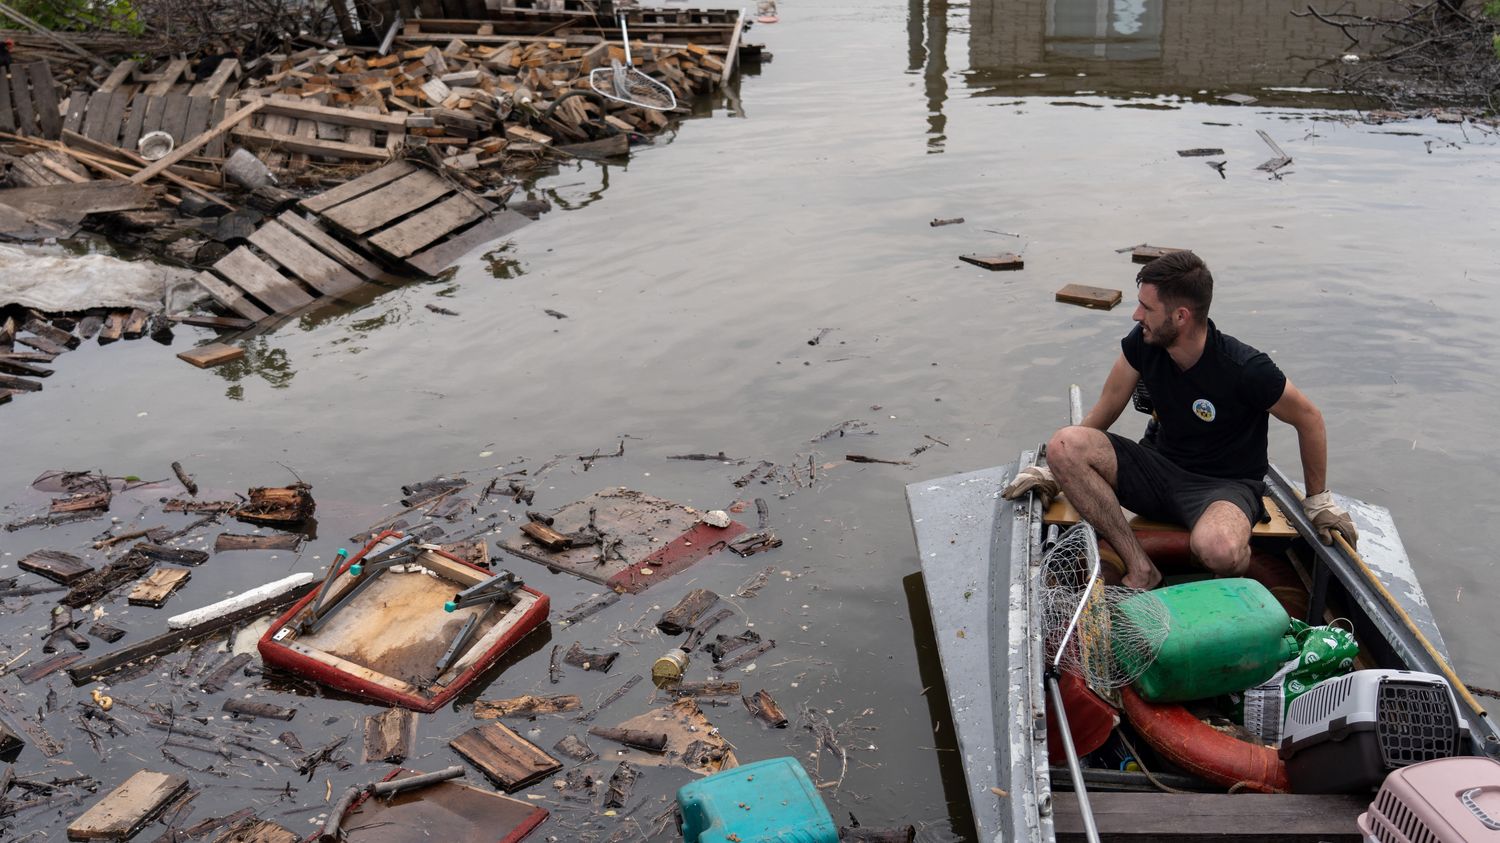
(693,278)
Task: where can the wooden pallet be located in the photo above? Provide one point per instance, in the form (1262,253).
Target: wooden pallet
(307,128)
(28,100)
(130,105)
(412,217)
(288,264)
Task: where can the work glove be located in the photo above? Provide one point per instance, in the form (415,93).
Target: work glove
(1329,518)
(1034,478)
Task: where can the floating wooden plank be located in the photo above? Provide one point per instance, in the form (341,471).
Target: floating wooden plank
(168,641)
(230,298)
(325,243)
(162,82)
(130,134)
(271,541)
(1099,298)
(333,149)
(1004,260)
(42,344)
(174,555)
(319,271)
(46,667)
(433,224)
(119,76)
(439,257)
(218,323)
(526,705)
(9,740)
(388,203)
(90,197)
(80,503)
(44,95)
(135,324)
(446,811)
(228,68)
(94,114)
(114,117)
(127,808)
(357,187)
(251,708)
(156,588)
(21,98)
(212,354)
(389,736)
(509,760)
(114,327)
(11,366)
(336,116)
(257,278)
(16,384)
(7,119)
(55,565)
(200,109)
(78,102)
(219,677)
(1147,254)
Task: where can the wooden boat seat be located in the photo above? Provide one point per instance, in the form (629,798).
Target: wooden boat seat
(1063,514)
(1221,817)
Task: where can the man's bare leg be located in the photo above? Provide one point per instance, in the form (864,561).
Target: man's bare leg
(1221,539)
(1083,461)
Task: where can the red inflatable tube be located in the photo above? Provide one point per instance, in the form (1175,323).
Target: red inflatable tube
(1204,751)
(1173,731)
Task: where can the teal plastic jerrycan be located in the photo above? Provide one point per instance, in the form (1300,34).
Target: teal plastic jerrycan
(771,801)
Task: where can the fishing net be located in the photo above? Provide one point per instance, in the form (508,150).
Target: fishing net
(623,83)
(1108,635)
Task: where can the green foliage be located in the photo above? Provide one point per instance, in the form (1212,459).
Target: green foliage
(113,15)
(1492,8)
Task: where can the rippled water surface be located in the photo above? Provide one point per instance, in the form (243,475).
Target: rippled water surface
(693,279)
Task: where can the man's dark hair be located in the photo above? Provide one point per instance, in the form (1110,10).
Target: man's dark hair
(1182,279)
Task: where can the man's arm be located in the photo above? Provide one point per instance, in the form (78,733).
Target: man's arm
(1115,395)
(1295,409)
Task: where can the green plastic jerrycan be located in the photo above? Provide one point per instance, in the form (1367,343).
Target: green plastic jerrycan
(1225,635)
(771,801)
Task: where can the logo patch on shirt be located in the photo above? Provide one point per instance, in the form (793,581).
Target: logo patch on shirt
(1204,409)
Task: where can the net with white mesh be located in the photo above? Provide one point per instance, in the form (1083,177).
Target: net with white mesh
(623,83)
(1108,634)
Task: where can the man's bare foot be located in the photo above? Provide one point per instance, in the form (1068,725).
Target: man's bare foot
(1144,580)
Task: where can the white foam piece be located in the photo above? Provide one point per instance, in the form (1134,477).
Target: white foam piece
(239,601)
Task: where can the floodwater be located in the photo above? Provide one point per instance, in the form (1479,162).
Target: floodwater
(693,279)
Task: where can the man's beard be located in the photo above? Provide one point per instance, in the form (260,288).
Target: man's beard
(1164,336)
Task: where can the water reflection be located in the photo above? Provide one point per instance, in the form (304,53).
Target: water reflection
(929,53)
(1133,47)
(261,360)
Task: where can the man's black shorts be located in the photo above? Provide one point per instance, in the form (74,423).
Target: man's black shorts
(1152,486)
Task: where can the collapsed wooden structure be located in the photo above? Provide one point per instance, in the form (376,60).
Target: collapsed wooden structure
(391,156)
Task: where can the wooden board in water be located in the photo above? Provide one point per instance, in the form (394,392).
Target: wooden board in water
(450,811)
(658,538)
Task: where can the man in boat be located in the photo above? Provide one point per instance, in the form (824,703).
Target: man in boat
(1203,463)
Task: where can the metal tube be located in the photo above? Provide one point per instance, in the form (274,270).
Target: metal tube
(458,641)
(1085,810)
(317,622)
(1075,405)
(333,574)
(625,36)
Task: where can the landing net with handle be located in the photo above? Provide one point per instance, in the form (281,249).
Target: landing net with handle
(1108,635)
(623,83)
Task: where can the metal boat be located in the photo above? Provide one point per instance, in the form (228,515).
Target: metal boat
(980,558)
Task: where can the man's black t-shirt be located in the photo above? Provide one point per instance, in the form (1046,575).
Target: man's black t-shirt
(1213,417)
